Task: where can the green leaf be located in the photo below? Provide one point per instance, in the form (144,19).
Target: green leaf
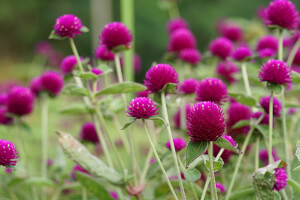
(54,36)
(241,124)
(155,167)
(39,181)
(241,193)
(291,105)
(79,92)
(298,153)
(84,29)
(194,150)
(297,168)
(263,129)
(223,143)
(275,87)
(93,186)
(88,76)
(76,109)
(295,77)
(155,118)
(243,99)
(79,154)
(119,48)
(126,87)
(169,88)
(26,127)
(217,164)
(295,185)
(191,174)
(157,97)
(15,181)
(127,124)
(105,68)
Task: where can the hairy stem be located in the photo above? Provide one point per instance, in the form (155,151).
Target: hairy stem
(44,103)
(293,53)
(245,77)
(211,171)
(257,153)
(270,128)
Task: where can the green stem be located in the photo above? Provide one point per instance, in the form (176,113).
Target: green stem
(205,188)
(293,53)
(122,136)
(44,103)
(211,171)
(284,195)
(159,162)
(118,68)
(75,52)
(183,116)
(280,44)
(245,77)
(166,118)
(84,194)
(56,194)
(270,128)
(21,148)
(146,166)
(257,153)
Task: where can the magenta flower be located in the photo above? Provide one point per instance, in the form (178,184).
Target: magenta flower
(175,24)
(142,108)
(68,63)
(242,53)
(178,143)
(221,47)
(3,99)
(115,34)
(265,101)
(232,32)
(275,71)
(88,133)
(296,60)
(114,195)
(36,86)
(264,157)
(266,53)
(181,39)
(79,169)
(49,162)
(96,71)
(177,115)
(211,89)
(221,187)
(4,119)
(103,54)
(267,42)
(44,48)
(20,101)
(142,93)
(205,122)
(226,154)
(188,86)
(158,76)
(8,153)
(52,82)
(282,13)
(237,112)
(226,71)
(265,119)
(261,13)
(280,179)
(68,25)
(8,170)
(292,111)
(191,56)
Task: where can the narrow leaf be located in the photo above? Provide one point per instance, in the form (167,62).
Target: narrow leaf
(84,29)
(275,87)
(169,88)
(194,150)
(191,174)
(217,165)
(295,185)
(297,168)
(39,181)
(55,36)
(242,193)
(223,143)
(158,119)
(79,91)
(241,124)
(263,129)
(88,76)
(76,109)
(155,167)
(295,77)
(243,99)
(126,87)
(127,124)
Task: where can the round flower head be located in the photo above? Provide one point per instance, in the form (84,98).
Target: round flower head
(52,82)
(275,71)
(141,107)
(296,60)
(158,76)
(261,13)
(96,71)
(265,101)
(44,48)
(188,86)
(232,32)
(221,187)
(292,111)
(143,93)
(280,179)
(282,13)
(241,53)
(36,86)
(177,115)
(264,157)
(49,162)
(115,34)
(226,71)
(175,24)
(103,54)
(20,101)
(211,89)
(178,143)
(237,112)
(221,47)
(4,119)
(205,122)
(181,39)
(191,56)
(137,63)
(8,170)
(265,119)
(226,154)
(79,169)
(88,133)
(3,99)
(114,195)
(266,53)
(8,153)
(68,25)
(68,64)
(267,42)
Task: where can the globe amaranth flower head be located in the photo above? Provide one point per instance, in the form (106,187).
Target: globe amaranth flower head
(275,71)
(44,48)
(4,119)
(181,39)
(226,154)
(266,53)
(144,93)
(205,122)
(211,89)
(141,108)
(3,98)
(280,179)
(221,47)
(178,143)
(265,101)
(188,86)
(264,157)
(96,71)
(177,115)
(226,70)
(267,44)
(52,82)
(175,24)
(68,63)
(158,76)
(114,195)
(115,34)
(36,86)
(68,25)
(235,113)
(220,187)
(282,13)
(79,169)
(296,60)
(191,56)
(102,53)
(88,133)
(265,119)
(20,101)
(232,32)
(242,53)
(8,153)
